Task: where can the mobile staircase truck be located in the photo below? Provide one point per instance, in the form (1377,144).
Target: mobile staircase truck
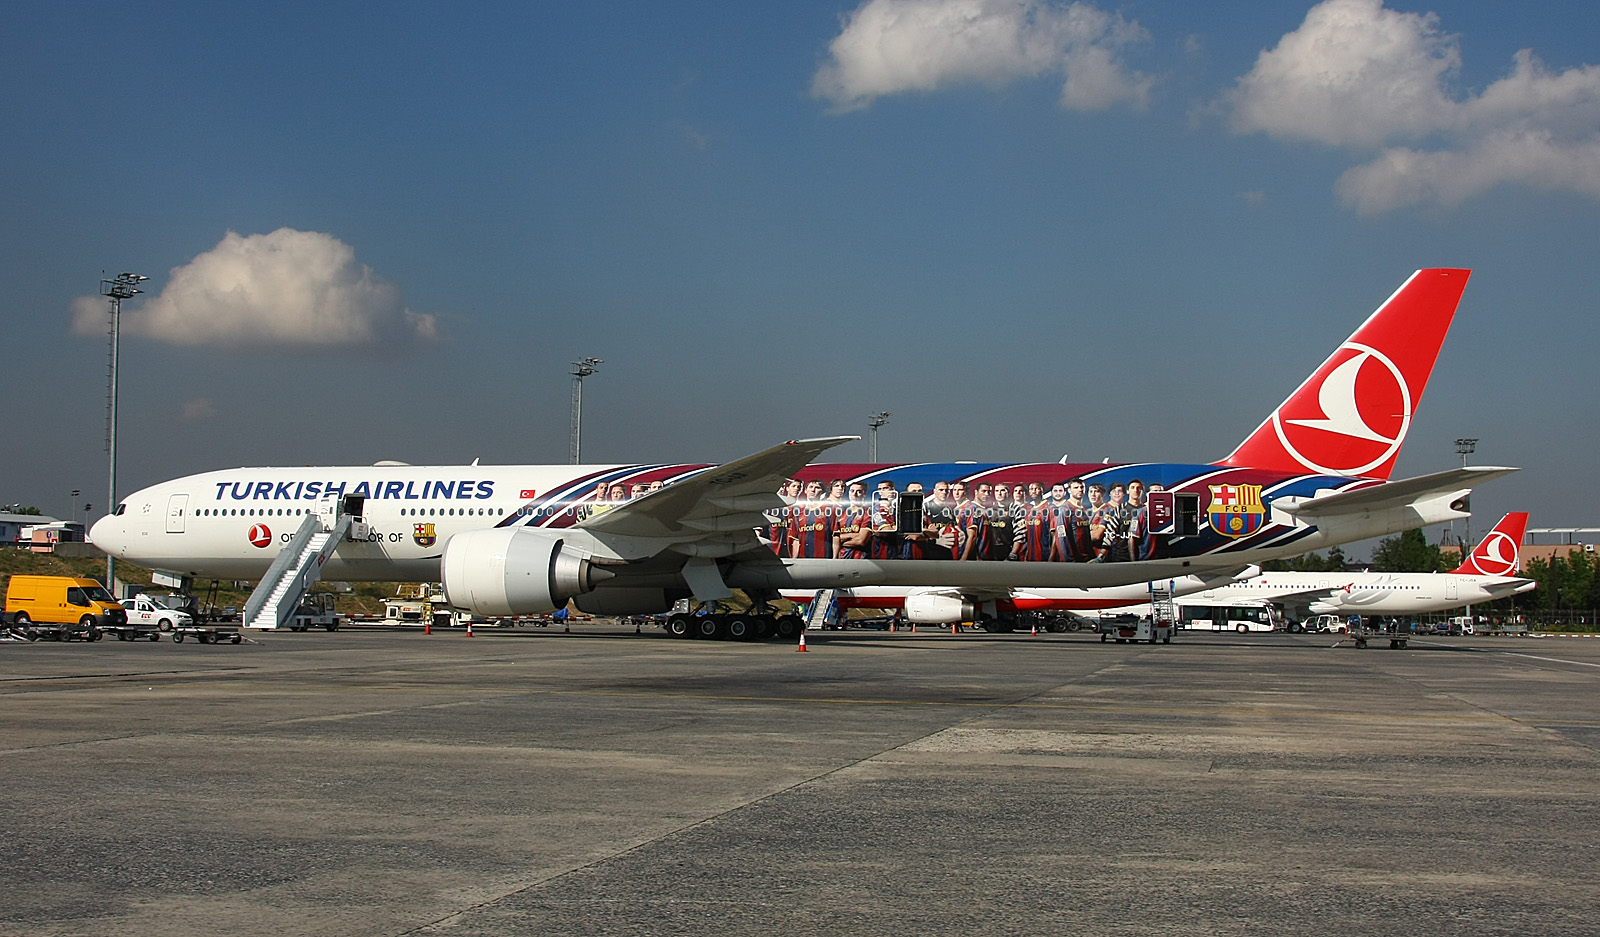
(299,563)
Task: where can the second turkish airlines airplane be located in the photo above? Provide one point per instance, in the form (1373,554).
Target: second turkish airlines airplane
(1488,573)
(631,539)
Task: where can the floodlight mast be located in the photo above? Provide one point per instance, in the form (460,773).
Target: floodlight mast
(876,420)
(581,369)
(122,286)
(1464,448)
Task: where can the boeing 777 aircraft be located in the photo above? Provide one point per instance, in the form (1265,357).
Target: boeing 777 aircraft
(1488,573)
(631,539)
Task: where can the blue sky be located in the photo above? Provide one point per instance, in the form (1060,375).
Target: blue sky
(1027,229)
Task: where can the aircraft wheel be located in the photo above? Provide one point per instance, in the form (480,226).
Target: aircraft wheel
(787,626)
(710,626)
(762,625)
(678,626)
(738,628)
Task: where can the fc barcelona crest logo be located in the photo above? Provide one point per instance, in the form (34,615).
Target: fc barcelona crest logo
(1236,510)
(424,536)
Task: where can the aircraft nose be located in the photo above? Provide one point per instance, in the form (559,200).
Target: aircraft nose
(106,533)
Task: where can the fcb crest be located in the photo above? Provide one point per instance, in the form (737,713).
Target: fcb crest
(1236,510)
(425,537)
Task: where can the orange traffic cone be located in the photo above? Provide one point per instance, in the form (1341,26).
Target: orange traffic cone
(427,627)
(802,647)
(469,629)
(1035,631)
(953,627)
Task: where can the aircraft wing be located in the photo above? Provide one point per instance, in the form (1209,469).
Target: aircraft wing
(728,499)
(1393,494)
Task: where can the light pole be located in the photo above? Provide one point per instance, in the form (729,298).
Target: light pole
(122,286)
(876,420)
(75,505)
(581,369)
(1464,448)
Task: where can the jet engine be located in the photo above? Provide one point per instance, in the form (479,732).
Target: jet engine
(938,608)
(515,571)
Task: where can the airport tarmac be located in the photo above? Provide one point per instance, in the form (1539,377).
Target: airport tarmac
(602,782)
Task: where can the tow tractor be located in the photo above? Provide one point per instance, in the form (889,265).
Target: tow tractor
(315,611)
(1133,628)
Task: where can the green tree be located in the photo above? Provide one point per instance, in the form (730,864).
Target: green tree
(1410,552)
(1309,563)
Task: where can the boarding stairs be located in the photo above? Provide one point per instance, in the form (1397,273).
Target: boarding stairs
(298,566)
(822,611)
(1162,609)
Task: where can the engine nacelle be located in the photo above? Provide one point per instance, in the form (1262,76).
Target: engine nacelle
(514,571)
(938,608)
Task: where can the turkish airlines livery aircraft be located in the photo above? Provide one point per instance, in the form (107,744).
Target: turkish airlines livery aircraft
(619,539)
(997,609)
(1485,575)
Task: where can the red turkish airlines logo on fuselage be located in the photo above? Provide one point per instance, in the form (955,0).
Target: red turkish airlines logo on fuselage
(1351,418)
(1496,555)
(260,535)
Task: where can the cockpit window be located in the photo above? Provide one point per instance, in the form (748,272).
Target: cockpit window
(120,508)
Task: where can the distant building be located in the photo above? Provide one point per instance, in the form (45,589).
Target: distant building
(11,525)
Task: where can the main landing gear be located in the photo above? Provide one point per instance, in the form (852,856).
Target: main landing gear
(758,624)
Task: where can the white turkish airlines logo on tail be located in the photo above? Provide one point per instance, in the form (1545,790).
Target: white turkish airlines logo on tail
(1368,411)
(1496,555)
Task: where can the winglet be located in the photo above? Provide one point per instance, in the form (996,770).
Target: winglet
(1499,553)
(1351,416)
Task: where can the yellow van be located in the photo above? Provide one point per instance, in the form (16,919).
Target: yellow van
(61,600)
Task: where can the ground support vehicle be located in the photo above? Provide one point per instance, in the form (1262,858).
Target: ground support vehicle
(316,610)
(1141,630)
(50,601)
(55,631)
(207,634)
(133,632)
(1360,634)
(153,611)
(1130,628)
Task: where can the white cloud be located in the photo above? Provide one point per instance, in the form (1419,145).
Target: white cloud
(895,46)
(1357,75)
(286,288)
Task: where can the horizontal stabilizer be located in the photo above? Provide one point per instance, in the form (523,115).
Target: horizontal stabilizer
(1393,494)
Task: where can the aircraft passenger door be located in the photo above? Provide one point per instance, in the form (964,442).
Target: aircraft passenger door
(1449,586)
(177,507)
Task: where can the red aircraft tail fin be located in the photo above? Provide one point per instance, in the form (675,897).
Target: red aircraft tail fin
(1499,554)
(1351,415)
